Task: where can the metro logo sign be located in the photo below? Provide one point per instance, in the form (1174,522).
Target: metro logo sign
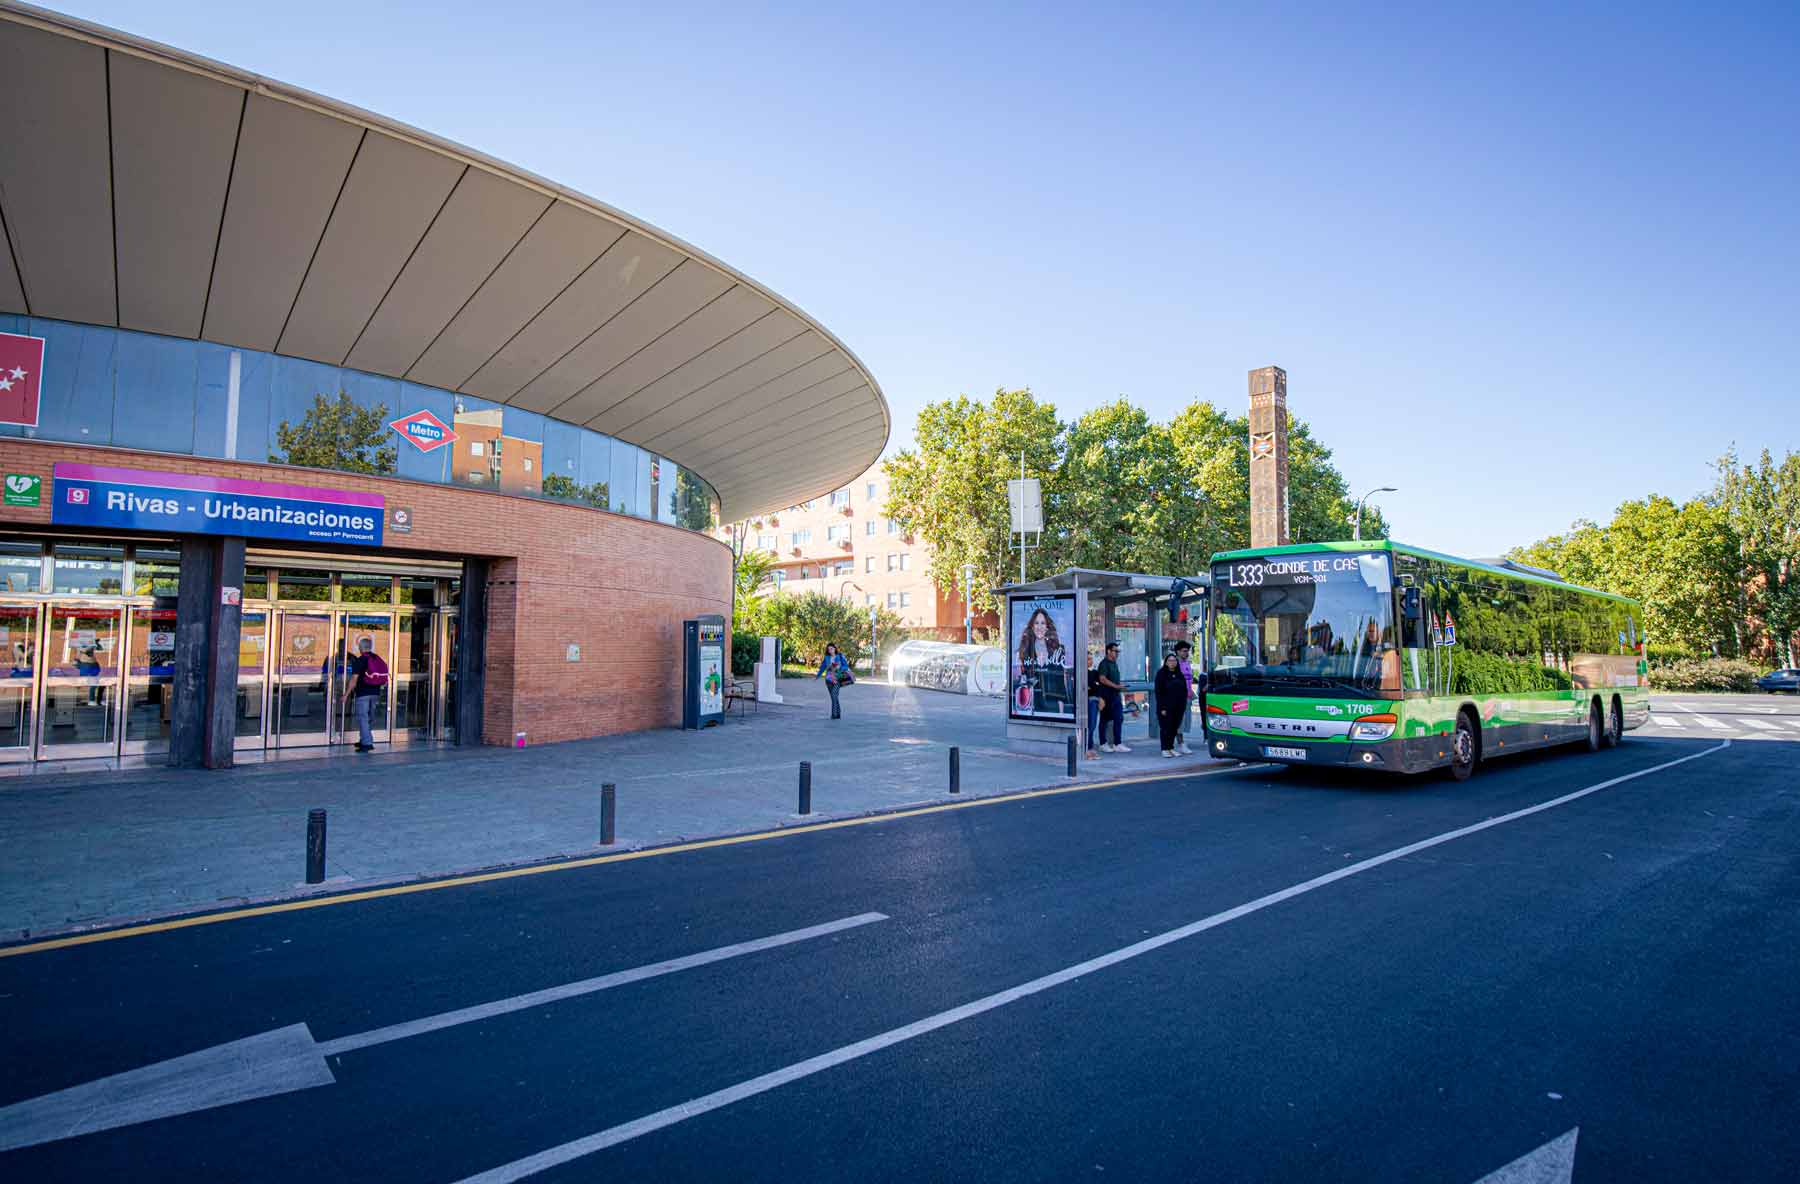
(21,378)
(424,431)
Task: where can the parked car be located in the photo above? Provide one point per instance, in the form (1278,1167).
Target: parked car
(1780,680)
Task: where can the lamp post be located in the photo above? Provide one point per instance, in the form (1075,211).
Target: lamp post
(968,603)
(1356,528)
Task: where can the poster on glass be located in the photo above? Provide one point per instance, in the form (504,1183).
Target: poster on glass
(1042,657)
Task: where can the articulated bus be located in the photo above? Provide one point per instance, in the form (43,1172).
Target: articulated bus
(1373,655)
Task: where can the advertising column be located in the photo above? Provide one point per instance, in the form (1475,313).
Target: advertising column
(703,671)
(1041,655)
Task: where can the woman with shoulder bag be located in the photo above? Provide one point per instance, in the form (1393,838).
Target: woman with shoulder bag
(1171,701)
(835,670)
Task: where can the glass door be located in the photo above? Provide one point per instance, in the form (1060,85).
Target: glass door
(413,676)
(251,711)
(378,630)
(305,670)
(149,678)
(447,701)
(79,715)
(18,679)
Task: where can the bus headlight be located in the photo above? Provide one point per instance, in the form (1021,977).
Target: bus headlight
(1374,727)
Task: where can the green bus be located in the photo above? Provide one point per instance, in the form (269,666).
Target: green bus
(1374,655)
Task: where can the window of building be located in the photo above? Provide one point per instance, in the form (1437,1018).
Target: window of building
(155,571)
(893,562)
(477,448)
(871,494)
(806,505)
(528,464)
(906,600)
(869,564)
(843,567)
(21,567)
(91,570)
(803,535)
(836,534)
(767,542)
(892,526)
(868,598)
(355,587)
(841,498)
(869,527)
(294,584)
(893,600)
(778,577)
(905,561)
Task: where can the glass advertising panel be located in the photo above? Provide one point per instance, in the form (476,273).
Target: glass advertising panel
(1041,633)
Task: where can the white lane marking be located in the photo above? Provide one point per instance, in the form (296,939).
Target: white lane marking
(587,986)
(1707,721)
(1667,721)
(1792,723)
(693,1108)
(288,1059)
(1763,724)
(1553,1163)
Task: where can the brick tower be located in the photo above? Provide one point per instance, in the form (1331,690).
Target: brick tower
(1268,457)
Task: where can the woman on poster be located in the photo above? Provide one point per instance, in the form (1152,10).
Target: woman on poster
(1043,663)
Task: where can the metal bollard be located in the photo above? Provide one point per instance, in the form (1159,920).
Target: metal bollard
(608,807)
(315,847)
(806,787)
(955,769)
(1072,756)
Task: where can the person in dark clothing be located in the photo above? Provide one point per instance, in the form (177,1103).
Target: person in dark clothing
(1112,699)
(371,674)
(1171,702)
(1094,699)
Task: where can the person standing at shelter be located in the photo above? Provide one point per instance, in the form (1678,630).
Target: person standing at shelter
(836,672)
(1112,686)
(1171,702)
(1095,699)
(1184,658)
(371,674)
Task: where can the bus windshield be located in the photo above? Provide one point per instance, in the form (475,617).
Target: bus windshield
(1309,623)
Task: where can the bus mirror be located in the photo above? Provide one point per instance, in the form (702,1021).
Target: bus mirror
(1409,604)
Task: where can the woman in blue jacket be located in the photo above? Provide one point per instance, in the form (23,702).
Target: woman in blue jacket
(835,671)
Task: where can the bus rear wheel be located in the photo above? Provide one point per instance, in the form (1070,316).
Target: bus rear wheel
(1462,748)
(1615,725)
(1596,733)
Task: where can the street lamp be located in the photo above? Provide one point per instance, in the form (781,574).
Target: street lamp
(968,603)
(847,584)
(1356,525)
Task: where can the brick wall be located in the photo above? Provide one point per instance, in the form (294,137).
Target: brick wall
(619,587)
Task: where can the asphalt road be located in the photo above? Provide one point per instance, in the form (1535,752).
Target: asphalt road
(1622,962)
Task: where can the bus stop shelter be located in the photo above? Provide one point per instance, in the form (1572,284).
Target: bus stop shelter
(1054,624)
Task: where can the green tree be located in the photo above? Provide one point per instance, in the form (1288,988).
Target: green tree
(337,435)
(1762,503)
(565,488)
(950,490)
(806,623)
(1120,493)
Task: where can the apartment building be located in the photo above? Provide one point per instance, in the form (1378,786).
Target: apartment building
(844,546)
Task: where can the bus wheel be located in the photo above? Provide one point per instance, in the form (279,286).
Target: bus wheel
(1615,725)
(1462,748)
(1596,736)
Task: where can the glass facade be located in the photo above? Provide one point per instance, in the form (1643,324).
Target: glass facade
(165,394)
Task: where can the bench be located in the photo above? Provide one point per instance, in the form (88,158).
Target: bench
(739,693)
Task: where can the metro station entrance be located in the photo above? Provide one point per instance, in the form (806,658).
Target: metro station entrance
(92,675)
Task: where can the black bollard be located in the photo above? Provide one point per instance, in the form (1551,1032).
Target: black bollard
(315,847)
(1071,756)
(806,787)
(955,769)
(608,806)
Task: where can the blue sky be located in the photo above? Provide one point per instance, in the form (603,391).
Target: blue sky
(1522,262)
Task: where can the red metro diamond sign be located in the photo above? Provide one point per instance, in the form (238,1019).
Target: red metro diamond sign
(21,378)
(424,430)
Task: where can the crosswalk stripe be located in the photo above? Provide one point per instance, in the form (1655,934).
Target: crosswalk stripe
(1763,724)
(1707,721)
(1667,721)
(1792,723)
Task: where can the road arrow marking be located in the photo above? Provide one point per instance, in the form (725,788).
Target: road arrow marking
(1553,1163)
(289,1059)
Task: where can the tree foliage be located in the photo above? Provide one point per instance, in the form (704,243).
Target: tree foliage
(565,488)
(1122,492)
(1719,573)
(338,434)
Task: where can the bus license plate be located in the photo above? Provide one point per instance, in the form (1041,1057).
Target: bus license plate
(1286,754)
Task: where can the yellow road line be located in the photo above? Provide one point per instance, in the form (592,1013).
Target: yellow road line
(291,906)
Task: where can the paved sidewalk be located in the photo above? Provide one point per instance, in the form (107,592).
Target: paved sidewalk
(89,849)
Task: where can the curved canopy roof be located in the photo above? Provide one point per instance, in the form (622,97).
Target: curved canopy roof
(153,190)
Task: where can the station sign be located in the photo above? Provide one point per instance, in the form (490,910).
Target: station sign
(187,503)
(424,431)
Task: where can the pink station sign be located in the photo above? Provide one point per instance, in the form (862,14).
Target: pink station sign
(424,431)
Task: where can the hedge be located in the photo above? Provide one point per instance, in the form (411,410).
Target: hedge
(1705,674)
